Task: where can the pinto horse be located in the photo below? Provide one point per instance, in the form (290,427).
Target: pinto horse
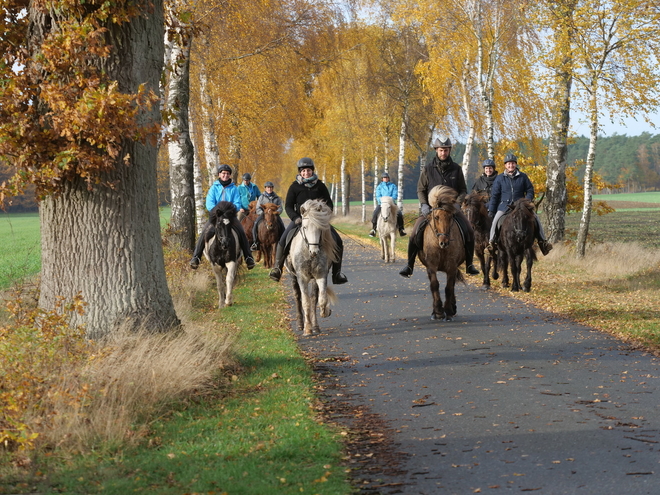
(386,227)
(443,250)
(223,251)
(474,207)
(268,233)
(516,242)
(313,250)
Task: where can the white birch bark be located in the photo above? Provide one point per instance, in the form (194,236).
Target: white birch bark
(583,230)
(375,178)
(402,153)
(344,189)
(363,185)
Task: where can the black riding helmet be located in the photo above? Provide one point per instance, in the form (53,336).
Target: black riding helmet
(511,158)
(488,163)
(224,167)
(305,163)
(247,176)
(269,184)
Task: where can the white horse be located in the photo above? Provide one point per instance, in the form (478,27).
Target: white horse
(313,250)
(223,251)
(386,227)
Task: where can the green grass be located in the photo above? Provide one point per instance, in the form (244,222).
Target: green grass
(20,253)
(257,434)
(645,197)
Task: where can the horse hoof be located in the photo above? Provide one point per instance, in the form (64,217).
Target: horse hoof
(435,317)
(447,318)
(496,276)
(326,313)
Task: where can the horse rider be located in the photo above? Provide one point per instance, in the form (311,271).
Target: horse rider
(306,186)
(249,192)
(485,181)
(510,186)
(386,188)
(222,189)
(269,196)
(441,170)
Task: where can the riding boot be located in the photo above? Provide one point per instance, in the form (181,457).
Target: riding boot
(468,237)
(544,246)
(276,272)
(199,247)
(338,277)
(372,233)
(412,254)
(399,224)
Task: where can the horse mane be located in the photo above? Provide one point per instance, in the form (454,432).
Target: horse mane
(387,200)
(525,203)
(443,197)
(272,207)
(252,206)
(224,209)
(475,199)
(320,214)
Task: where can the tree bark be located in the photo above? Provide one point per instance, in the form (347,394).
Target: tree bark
(364,190)
(181,232)
(105,243)
(583,230)
(402,154)
(344,188)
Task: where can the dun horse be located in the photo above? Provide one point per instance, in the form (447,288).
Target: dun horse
(386,227)
(443,250)
(312,252)
(474,207)
(516,241)
(223,251)
(268,232)
(248,222)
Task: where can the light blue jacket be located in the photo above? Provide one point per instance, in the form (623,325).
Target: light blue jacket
(219,193)
(248,194)
(387,189)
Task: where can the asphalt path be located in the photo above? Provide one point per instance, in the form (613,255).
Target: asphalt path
(506,397)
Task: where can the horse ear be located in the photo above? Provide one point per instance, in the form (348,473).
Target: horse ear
(303,210)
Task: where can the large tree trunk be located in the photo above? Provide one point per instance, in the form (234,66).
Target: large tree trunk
(556,194)
(105,243)
(364,190)
(344,188)
(180,148)
(211,152)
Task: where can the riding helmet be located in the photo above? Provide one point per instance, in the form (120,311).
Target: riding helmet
(269,184)
(247,176)
(305,163)
(441,142)
(224,167)
(385,174)
(510,158)
(488,163)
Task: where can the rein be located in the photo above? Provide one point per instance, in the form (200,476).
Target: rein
(439,234)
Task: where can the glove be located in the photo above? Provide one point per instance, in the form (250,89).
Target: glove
(298,221)
(426,209)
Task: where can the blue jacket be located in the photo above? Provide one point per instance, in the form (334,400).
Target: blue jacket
(219,193)
(508,189)
(248,194)
(387,189)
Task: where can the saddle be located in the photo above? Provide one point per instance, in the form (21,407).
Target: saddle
(498,226)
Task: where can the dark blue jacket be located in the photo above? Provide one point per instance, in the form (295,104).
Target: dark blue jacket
(508,189)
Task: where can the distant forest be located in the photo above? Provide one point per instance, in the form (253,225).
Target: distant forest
(633,162)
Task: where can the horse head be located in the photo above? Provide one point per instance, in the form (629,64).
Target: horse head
(270,215)
(315,226)
(442,200)
(386,204)
(474,207)
(221,218)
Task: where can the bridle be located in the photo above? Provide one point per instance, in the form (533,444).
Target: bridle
(435,231)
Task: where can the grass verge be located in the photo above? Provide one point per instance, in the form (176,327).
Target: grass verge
(255,431)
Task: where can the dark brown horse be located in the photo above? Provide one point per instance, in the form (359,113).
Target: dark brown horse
(248,222)
(516,241)
(474,207)
(443,250)
(268,232)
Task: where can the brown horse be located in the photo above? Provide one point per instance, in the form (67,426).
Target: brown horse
(268,232)
(443,250)
(516,242)
(474,207)
(248,222)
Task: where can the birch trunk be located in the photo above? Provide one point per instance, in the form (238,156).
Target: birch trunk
(198,184)
(583,231)
(344,189)
(105,243)
(182,229)
(402,153)
(211,153)
(364,190)
(375,179)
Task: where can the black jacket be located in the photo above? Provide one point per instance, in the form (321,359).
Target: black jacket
(507,189)
(484,183)
(436,173)
(298,194)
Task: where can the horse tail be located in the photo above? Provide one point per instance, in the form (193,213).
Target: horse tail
(332,297)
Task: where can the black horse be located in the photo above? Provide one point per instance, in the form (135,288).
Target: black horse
(223,250)
(516,242)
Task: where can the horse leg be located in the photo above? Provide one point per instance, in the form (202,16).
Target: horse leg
(297,295)
(393,247)
(232,267)
(516,264)
(529,259)
(323,303)
(218,271)
(484,262)
(494,258)
(450,296)
(309,311)
(438,312)
(383,247)
(314,303)
(503,263)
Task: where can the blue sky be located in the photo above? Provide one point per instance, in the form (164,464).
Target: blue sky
(631,127)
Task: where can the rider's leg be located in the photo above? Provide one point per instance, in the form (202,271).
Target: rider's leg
(374,221)
(281,253)
(468,235)
(199,247)
(399,223)
(338,277)
(544,245)
(413,247)
(255,238)
(243,241)
(494,233)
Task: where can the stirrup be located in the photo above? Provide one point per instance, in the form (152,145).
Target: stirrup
(249,262)
(402,233)
(406,272)
(254,247)
(471,270)
(372,233)
(339,278)
(545,247)
(275,274)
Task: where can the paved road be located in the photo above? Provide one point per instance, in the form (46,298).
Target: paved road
(506,397)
